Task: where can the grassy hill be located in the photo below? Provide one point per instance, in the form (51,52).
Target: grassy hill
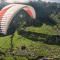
(41,39)
(32,44)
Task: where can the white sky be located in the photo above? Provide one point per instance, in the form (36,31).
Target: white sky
(32,0)
(45,0)
(52,1)
(20,0)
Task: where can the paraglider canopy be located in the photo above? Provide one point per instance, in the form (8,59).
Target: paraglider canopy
(8,12)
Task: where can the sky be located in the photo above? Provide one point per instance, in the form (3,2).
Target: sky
(52,1)
(32,0)
(20,0)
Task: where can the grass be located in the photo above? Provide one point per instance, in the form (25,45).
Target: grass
(45,29)
(34,48)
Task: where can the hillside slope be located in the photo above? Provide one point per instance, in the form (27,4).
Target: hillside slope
(40,39)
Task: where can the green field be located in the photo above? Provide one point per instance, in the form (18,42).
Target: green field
(35,46)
